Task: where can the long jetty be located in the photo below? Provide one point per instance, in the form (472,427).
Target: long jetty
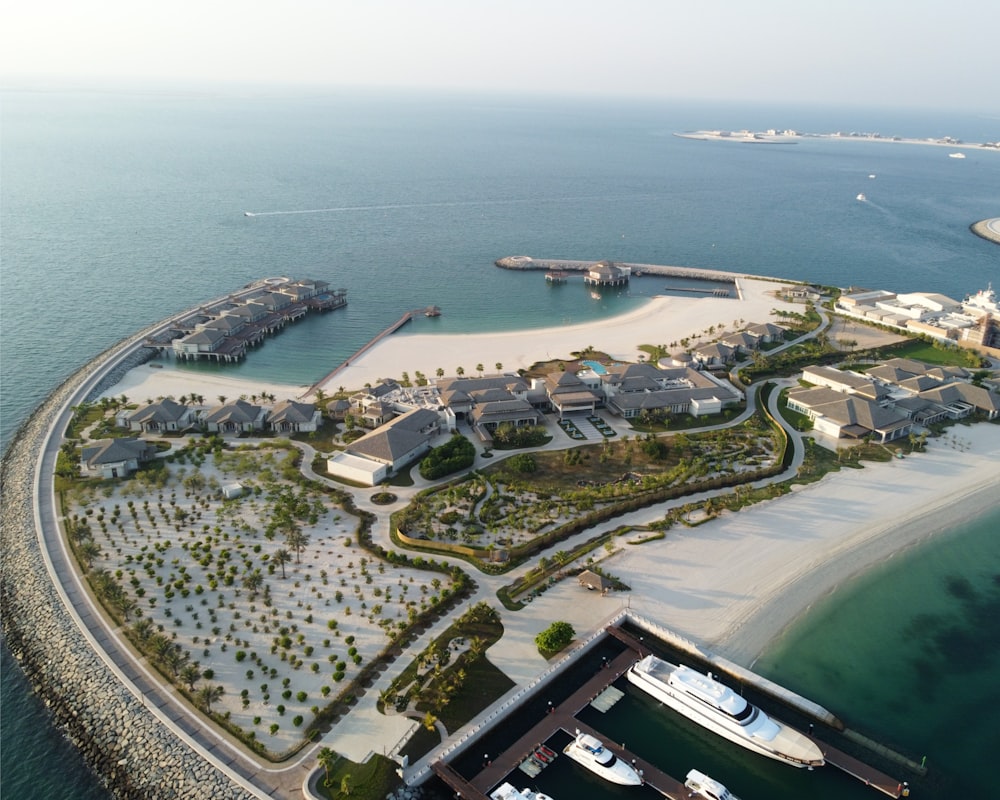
(391,329)
(564,718)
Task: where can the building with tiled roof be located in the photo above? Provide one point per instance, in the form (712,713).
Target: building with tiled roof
(158,417)
(385,451)
(115,458)
(238,416)
(289,416)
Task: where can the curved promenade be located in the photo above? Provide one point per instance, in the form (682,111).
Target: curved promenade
(988,229)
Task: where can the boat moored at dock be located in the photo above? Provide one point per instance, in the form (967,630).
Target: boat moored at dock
(718,708)
(590,752)
(506,791)
(703,786)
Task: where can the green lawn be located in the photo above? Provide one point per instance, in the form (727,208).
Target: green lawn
(933,354)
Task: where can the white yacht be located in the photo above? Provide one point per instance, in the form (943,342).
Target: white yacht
(861,197)
(506,791)
(956,155)
(718,708)
(591,753)
(703,786)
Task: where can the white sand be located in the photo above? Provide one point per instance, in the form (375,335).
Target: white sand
(736,583)
(660,321)
(147,382)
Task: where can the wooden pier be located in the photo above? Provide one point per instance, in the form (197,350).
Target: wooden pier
(391,329)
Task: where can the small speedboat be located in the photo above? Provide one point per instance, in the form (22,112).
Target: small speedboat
(861,197)
(590,752)
(956,155)
(703,786)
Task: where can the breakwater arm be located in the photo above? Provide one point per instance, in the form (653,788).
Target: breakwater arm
(528,263)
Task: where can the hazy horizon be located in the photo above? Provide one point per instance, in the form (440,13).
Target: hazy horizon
(895,54)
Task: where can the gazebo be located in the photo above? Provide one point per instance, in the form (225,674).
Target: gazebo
(592,581)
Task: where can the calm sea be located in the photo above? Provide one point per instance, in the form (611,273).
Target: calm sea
(118,208)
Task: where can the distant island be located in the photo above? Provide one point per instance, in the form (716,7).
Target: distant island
(773,136)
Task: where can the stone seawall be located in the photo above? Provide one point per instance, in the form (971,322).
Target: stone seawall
(123,741)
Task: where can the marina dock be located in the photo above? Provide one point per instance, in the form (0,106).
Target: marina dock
(563,718)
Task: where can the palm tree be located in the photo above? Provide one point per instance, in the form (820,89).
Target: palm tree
(297,539)
(460,371)
(440,372)
(499,366)
(208,694)
(320,397)
(222,399)
(190,675)
(326,759)
(89,550)
(252,582)
(281,557)
(143,629)
(479,369)
(126,605)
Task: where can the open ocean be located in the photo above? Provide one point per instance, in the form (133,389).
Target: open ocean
(118,208)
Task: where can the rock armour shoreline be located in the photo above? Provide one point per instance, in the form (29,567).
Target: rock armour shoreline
(134,754)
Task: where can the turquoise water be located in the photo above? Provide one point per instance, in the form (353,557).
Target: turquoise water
(117,209)
(909,652)
(596,366)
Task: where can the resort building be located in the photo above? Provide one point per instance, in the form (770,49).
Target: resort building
(115,458)
(606,273)
(383,452)
(971,324)
(848,416)
(289,416)
(633,389)
(238,416)
(165,415)
(766,332)
(567,393)
(487,416)
(715,354)
(224,332)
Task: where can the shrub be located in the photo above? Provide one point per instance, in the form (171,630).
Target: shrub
(555,637)
(456,454)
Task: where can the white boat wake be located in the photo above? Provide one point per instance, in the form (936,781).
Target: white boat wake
(443,204)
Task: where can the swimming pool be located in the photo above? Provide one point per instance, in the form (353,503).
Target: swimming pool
(597,366)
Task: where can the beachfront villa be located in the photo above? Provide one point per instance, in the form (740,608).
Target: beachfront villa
(889,399)
(115,458)
(238,416)
(224,331)
(162,416)
(289,416)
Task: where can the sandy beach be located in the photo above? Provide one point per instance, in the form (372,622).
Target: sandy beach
(737,582)
(660,321)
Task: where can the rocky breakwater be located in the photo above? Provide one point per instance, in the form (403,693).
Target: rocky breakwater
(124,742)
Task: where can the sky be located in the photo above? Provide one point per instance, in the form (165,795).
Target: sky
(900,53)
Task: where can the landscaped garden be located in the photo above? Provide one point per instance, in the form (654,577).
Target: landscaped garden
(262,608)
(534,499)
